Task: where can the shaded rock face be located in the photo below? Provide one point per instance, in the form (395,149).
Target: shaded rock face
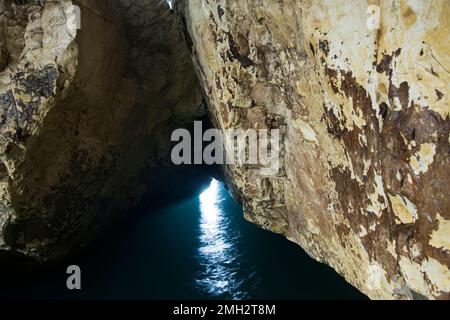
(365,115)
(83,114)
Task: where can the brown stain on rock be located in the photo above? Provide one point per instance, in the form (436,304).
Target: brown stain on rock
(369,107)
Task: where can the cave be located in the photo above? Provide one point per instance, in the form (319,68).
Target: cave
(349,202)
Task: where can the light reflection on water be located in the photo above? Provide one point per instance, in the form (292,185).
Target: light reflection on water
(219,254)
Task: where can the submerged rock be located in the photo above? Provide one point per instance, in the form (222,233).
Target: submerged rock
(365,113)
(84,113)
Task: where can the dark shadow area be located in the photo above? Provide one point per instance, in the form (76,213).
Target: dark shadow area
(179,247)
(171,184)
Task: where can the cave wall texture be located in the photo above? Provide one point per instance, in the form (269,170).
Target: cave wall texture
(364,116)
(365,178)
(83,114)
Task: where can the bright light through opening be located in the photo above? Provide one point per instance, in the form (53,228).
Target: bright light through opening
(209,199)
(218,252)
(214,248)
(170,3)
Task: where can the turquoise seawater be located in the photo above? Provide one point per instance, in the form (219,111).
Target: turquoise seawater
(199,247)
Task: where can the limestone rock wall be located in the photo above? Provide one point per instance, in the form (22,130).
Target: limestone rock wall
(365,178)
(83,114)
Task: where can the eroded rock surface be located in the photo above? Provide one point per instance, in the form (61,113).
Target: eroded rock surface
(365,114)
(83,114)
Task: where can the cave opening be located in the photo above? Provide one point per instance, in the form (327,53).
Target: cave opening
(187,237)
(187,240)
(91,92)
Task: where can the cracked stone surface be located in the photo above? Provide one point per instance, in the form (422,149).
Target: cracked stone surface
(365,115)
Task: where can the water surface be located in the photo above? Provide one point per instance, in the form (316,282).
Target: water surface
(197,248)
